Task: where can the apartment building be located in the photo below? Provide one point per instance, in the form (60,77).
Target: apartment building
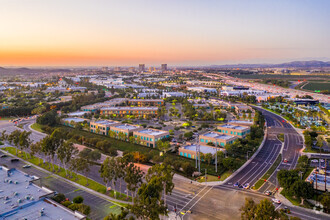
(236,130)
(135,111)
(216,138)
(102,126)
(149,137)
(146,102)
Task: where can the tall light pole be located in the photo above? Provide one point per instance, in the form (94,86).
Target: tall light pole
(216,156)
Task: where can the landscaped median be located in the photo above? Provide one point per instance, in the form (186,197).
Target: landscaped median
(77,178)
(269,172)
(37,127)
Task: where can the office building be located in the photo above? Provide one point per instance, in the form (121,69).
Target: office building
(216,138)
(164,67)
(126,129)
(149,137)
(189,151)
(22,199)
(133,111)
(146,102)
(102,126)
(142,67)
(239,131)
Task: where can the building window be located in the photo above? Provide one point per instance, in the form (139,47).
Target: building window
(181,154)
(189,155)
(185,154)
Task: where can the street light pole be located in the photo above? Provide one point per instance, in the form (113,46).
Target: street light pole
(216,157)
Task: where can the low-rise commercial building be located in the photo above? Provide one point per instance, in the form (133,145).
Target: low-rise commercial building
(146,102)
(240,131)
(71,121)
(216,138)
(102,126)
(149,137)
(126,129)
(190,150)
(135,111)
(22,199)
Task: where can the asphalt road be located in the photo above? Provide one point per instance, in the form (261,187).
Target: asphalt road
(99,206)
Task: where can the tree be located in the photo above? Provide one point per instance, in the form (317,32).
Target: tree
(266,210)
(248,210)
(287,177)
(148,203)
(188,169)
(51,143)
(165,174)
(133,178)
(107,170)
(49,118)
(78,199)
(90,155)
(24,141)
(80,164)
(301,189)
(325,201)
(208,158)
(13,138)
(163,145)
(4,136)
(65,152)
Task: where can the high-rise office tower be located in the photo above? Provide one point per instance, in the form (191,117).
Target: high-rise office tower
(164,67)
(142,67)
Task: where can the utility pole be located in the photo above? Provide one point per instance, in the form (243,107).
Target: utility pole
(205,176)
(199,158)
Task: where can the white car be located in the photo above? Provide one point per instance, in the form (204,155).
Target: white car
(314,161)
(276,201)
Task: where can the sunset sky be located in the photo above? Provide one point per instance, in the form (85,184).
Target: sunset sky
(177,32)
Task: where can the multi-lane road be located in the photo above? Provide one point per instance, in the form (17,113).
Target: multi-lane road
(269,152)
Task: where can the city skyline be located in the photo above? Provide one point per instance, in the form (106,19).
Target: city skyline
(113,33)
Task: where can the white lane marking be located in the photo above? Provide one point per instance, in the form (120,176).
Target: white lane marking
(308,216)
(199,199)
(274,156)
(249,171)
(194,197)
(278,207)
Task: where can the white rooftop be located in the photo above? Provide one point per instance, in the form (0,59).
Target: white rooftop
(44,210)
(127,126)
(151,132)
(217,136)
(106,122)
(202,148)
(236,127)
(74,119)
(16,190)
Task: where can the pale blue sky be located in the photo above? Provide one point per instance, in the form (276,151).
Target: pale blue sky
(126,32)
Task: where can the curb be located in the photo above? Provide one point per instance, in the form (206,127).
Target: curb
(251,158)
(66,180)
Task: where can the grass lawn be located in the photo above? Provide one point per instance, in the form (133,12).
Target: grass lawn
(6,118)
(61,172)
(269,172)
(281,137)
(130,147)
(37,127)
(294,201)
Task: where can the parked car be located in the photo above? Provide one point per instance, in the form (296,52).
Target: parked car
(14,160)
(276,201)
(27,166)
(236,184)
(3,155)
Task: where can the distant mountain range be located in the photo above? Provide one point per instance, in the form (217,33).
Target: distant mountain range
(23,70)
(294,64)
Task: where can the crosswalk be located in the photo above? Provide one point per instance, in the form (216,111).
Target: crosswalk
(182,198)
